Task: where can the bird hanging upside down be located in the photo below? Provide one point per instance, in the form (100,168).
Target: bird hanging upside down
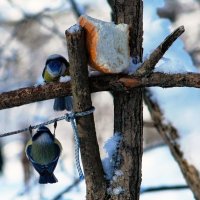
(43,151)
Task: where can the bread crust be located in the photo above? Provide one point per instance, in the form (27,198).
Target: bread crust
(92,42)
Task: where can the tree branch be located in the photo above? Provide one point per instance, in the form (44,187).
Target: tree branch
(148,124)
(78,10)
(163,80)
(119,82)
(170,136)
(66,190)
(93,169)
(148,66)
(164,188)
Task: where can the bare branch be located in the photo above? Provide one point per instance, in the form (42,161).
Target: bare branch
(163,80)
(164,188)
(93,169)
(148,66)
(68,189)
(154,146)
(33,94)
(148,124)
(119,82)
(78,10)
(54,29)
(170,136)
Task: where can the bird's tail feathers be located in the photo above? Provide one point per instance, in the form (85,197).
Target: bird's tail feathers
(62,103)
(47,178)
(59,104)
(68,103)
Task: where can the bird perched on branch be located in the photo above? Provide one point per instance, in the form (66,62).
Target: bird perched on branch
(57,66)
(43,151)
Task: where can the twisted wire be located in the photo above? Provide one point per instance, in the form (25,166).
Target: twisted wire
(71,117)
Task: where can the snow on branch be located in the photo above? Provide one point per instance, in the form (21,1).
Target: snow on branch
(170,136)
(148,66)
(119,82)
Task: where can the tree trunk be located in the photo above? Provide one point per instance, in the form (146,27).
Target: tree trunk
(129,122)
(128,109)
(131,12)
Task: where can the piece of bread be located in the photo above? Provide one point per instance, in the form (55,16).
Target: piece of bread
(107,44)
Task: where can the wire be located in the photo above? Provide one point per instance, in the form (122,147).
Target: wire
(43,124)
(33,127)
(164,188)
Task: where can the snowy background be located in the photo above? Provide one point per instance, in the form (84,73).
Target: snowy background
(24,47)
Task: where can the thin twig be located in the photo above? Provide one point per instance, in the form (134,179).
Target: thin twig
(37,18)
(70,187)
(154,146)
(163,188)
(55,30)
(148,124)
(170,136)
(148,66)
(78,10)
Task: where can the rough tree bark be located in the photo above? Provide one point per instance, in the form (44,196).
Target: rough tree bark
(128,121)
(128,109)
(93,170)
(118,82)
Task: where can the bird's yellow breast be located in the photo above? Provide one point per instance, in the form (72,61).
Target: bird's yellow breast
(48,78)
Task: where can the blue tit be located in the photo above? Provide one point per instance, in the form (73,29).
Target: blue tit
(43,151)
(55,67)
